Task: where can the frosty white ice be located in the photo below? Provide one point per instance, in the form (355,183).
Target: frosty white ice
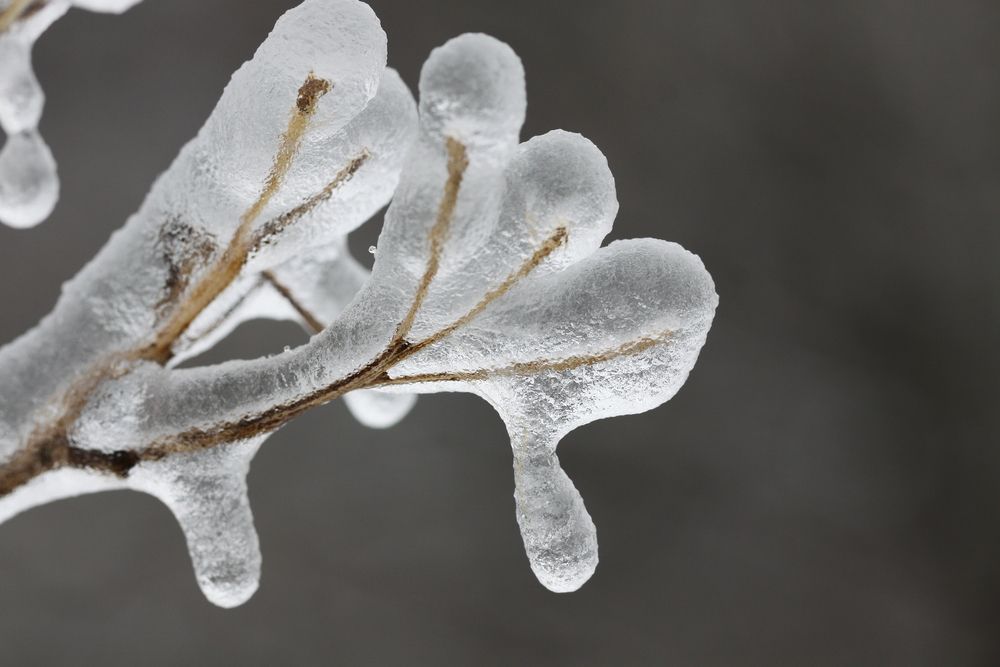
(29,185)
(490,278)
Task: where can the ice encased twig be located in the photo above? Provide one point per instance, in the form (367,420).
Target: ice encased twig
(114,310)
(490,268)
(490,278)
(554,340)
(313,288)
(29,185)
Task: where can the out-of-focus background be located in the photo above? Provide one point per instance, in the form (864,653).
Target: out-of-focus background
(823,491)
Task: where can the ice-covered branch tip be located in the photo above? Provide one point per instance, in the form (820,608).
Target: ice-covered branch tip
(490,278)
(458,162)
(245,239)
(29,186)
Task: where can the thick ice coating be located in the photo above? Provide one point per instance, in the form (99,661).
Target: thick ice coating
(312,288)
(490,278)
(207,493)
(559,536)
(305,145)
(514,300)
(29,186)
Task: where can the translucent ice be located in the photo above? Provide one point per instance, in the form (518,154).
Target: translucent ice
(312,288)
(29,186)
(207,493)
(305,144)
(516,301)
(490,278)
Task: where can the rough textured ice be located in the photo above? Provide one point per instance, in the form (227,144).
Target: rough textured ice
(559,536)
(490,278)
(29,186)
(207,493)
(324,280)
(587,333)
(109,314)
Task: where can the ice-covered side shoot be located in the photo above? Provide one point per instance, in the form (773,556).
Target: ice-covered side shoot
(490,278)
(29,185)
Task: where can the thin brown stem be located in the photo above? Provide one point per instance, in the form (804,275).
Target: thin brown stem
(273,228)
(230,311)
(373,375)
(197,439)
(48,447)
(315,326)
(532,367)
(376,373)
(219,276)
(51,448)
(55,451)
(458,162)
(547,248)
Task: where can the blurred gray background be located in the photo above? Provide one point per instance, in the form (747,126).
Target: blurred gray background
(823,491)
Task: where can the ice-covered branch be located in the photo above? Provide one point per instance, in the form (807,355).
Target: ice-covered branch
(490,278)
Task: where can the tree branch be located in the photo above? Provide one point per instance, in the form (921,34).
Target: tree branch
(233,258)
